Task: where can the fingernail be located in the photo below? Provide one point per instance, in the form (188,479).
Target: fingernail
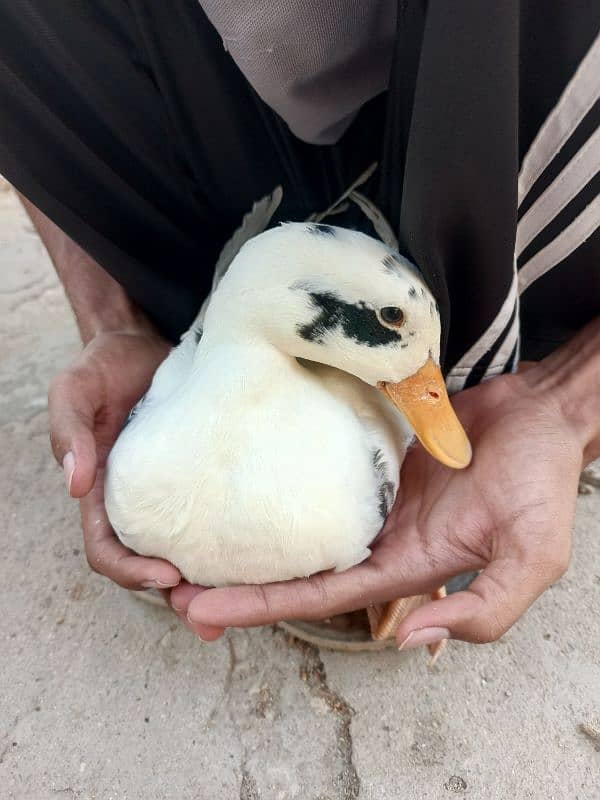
(204,641)
(68,468)
(156,584)
(424,636)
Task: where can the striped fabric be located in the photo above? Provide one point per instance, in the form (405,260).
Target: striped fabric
(544,205)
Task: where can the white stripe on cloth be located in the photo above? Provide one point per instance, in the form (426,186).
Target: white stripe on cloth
(458,375)
(580,94)
(576,174)
(562,246)
(574,235)
(506,348)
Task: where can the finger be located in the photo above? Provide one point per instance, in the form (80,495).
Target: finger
(108,556)
(483,612)
(72,408)
(206,633)
(183,594)
(179,599)
(312,598)
(397,568)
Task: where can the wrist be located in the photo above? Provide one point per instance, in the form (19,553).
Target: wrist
(99,302)
(117,314)
(571,377)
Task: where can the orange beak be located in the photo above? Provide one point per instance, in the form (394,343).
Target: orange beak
(424,401)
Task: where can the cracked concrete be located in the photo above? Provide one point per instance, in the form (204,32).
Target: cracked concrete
(103,697)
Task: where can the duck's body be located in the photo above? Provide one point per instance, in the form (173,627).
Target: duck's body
(258,491)
(248,461)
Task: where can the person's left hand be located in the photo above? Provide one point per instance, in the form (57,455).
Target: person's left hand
(510,514)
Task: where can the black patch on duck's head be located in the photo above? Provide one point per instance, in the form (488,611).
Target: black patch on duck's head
(319,228)
(393,262)
(356,320)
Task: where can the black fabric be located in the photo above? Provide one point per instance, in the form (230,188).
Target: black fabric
(134,131)
(458,205)
(130,126)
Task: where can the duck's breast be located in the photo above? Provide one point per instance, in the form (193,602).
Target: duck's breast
(276,486)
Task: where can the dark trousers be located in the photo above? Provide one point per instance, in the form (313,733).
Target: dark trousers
(129,125)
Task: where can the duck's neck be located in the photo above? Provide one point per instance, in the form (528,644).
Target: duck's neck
(240,365)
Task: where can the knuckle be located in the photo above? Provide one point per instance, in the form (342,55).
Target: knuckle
(491,629)
(263,600)
(485,628)
(60,384)
(558,565)
(491,619)
(68,384)
(94,561)
(92,564)
(319,589)
(549,569)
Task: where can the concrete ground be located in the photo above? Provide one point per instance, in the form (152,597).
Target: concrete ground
(103,697)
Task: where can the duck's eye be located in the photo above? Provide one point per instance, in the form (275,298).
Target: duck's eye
(392,315)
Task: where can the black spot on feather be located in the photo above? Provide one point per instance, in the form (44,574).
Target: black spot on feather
(357,322)
(390,263)
(378,460)
(319,228)
(393,262)
(386,498)
(198,334)
(386,490)
(412,291)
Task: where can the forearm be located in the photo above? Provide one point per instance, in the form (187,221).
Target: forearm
(99,303)
(572,376)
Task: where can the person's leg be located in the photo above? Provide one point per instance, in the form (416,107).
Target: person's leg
(84,137)
(471,86)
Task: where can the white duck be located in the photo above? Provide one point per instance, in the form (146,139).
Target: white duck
(267,447)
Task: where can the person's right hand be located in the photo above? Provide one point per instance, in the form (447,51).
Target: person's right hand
(88,404)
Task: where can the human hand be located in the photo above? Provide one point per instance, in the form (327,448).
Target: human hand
(88,404)
(510,515)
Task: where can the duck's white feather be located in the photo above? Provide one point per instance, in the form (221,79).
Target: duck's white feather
(270,485)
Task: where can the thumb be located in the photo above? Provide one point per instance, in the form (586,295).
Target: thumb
(72,407)
(486,610)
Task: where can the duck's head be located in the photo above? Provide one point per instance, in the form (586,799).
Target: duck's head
(339,297)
